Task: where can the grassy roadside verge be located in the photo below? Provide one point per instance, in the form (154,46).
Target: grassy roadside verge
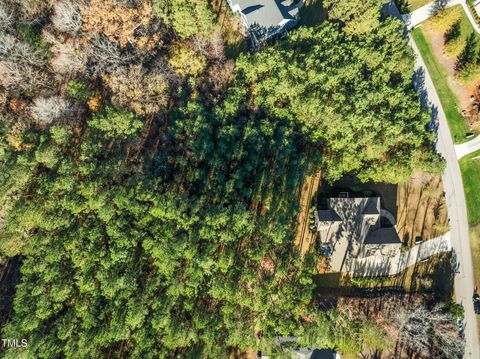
(407,6)
(470,168)
(475,248)
(448,99)
(416,4)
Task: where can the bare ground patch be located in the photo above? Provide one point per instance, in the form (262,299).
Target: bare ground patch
(422,211)
(304,238)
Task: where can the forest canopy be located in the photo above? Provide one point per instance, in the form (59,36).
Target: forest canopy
(150,184)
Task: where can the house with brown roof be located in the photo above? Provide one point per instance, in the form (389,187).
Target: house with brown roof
(356,227)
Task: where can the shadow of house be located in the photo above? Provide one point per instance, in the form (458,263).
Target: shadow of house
(266,19)
(324,354)
(369,269)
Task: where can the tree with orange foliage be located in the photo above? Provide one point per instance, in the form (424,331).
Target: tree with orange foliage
(120,23)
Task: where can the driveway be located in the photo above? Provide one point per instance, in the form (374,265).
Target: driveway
(384,266)
(467,147)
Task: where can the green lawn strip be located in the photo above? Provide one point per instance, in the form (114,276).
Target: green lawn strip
(407,6)
(470,167)
(448,99)
(415,4)
(466,27)
(475,247)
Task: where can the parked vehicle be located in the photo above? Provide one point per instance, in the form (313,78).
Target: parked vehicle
(456,263)
(476,302)
(461,327)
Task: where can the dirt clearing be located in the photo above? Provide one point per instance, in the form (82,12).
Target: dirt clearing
(304,238)
(422,211)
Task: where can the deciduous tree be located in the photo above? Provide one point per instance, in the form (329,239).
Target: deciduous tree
(141,91)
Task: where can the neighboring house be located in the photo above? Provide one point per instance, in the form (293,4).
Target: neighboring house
(356,228)
(307,353)
(264,19)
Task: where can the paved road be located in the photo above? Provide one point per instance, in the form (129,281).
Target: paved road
(457,212)
(452,181)
(422,14)
(467,147)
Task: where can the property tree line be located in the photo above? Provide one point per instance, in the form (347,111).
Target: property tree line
(149,184)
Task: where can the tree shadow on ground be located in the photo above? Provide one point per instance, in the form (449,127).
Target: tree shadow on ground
(312,13)
(231,28)
(425,101)
(437,6)
(436,276)
(9,278)
(403,6)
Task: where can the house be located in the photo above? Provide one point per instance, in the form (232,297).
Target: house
(307,353)
(264,19)
(354,227)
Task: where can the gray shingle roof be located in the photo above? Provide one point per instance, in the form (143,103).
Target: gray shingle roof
(266,17)
(328,215)
(383,236)
(372,206)
(356,219)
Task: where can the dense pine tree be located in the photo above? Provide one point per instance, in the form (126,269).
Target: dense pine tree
(166,228)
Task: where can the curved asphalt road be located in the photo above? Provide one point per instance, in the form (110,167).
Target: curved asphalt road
(457,213)
(452,181)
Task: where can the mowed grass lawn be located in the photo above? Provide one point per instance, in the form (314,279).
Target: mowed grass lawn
(406,6)
(449,100)
(475,247)
(415,4)
(470,167)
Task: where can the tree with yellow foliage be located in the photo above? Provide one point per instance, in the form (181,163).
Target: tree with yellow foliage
(185,60)
(133,87)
